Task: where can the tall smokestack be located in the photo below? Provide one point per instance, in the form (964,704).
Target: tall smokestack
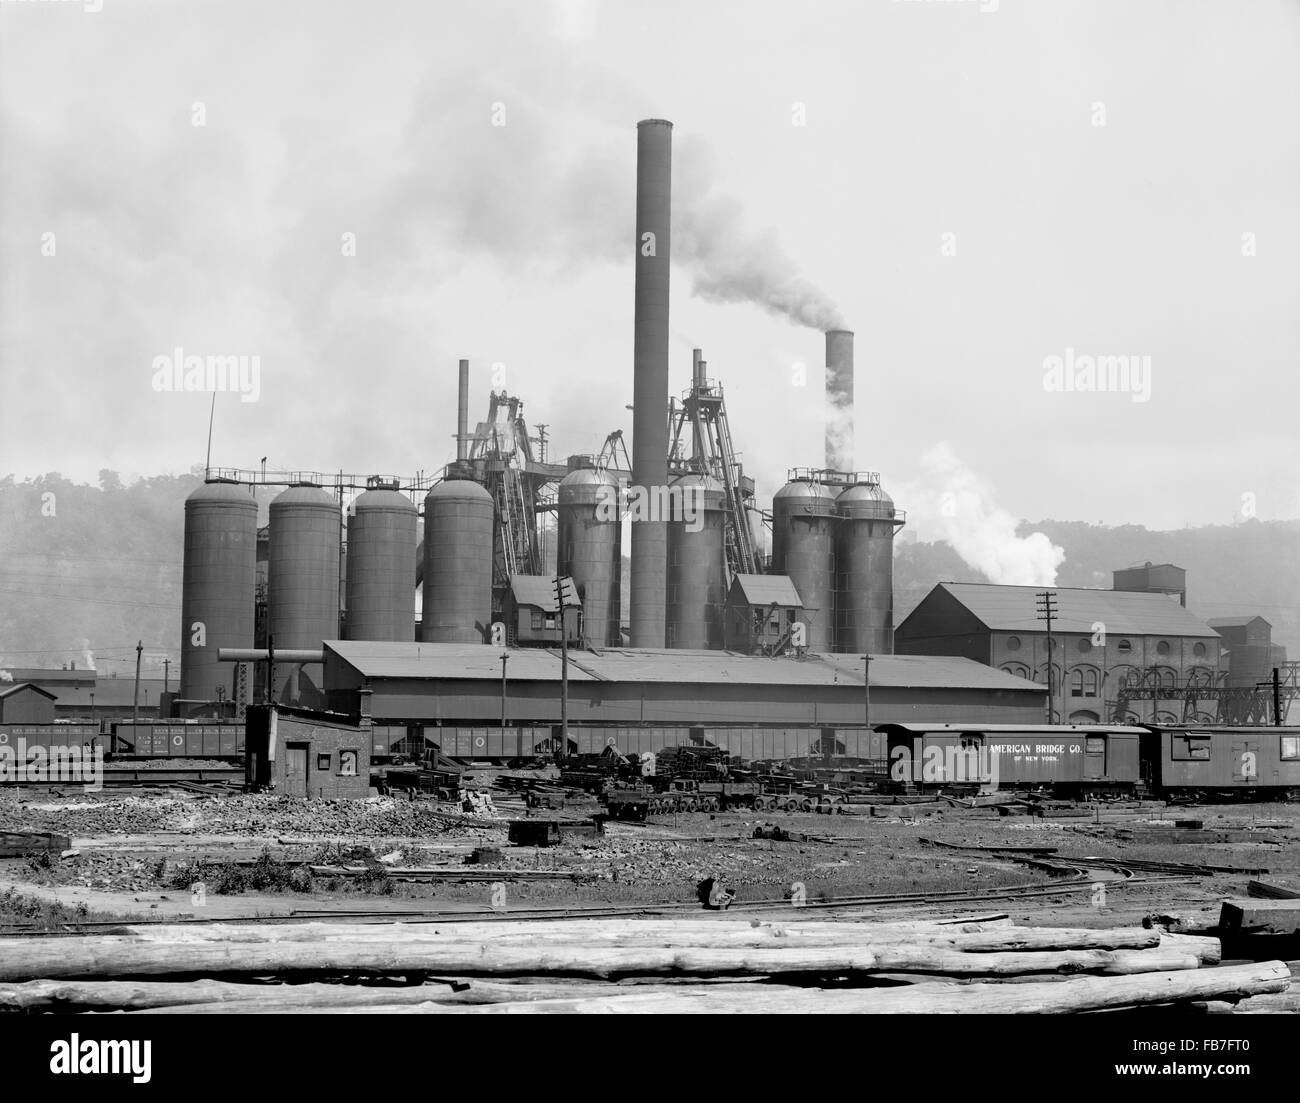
(654,164)
(839,399)
(462,412)
(697,368)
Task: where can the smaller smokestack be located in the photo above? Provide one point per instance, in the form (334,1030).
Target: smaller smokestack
(462,412)
(697,368)
(839,399)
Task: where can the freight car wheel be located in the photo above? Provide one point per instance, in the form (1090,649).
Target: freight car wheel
(790,804)
(692,805)
(805,805)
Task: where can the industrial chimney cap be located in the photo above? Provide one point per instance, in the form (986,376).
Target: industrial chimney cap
(654,122)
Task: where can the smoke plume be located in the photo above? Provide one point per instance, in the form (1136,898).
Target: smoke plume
(5,676)
(839,434)
(87,656)
(556,187)
(730,261)
(981,531)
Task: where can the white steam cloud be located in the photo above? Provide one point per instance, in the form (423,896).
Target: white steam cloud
(5,676)
(839,432)
(981,531)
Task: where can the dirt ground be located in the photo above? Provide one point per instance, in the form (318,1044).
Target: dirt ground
(129,843)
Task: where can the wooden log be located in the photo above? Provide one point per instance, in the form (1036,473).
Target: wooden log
(47,995)
(969,937)
(1266,890)
(1074,995)
(1209,951)
(1263,916)
(581,930)
(28,958)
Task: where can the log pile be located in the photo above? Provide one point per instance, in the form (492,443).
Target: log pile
(713,966)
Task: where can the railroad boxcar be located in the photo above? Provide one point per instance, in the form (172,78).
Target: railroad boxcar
(1222,763)
(1073,760)
(30,736)
(178,740)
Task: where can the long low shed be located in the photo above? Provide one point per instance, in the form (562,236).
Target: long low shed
(461,685)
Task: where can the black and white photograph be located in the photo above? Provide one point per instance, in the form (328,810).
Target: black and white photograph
(683,508)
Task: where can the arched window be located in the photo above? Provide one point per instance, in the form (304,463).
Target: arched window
(1076,683)
(1121,674)
(1091,682)
(1018,669)
(1084,716)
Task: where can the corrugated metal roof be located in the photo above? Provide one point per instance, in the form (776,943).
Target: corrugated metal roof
(474,661)
(378,659)
(1123,612)
(763,589)
(26,685)
(534,589)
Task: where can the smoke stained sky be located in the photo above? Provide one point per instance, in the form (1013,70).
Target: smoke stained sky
(513,245)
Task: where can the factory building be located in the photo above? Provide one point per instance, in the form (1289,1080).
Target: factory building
(762,611)
(532,614)
(1252,654)
(645,700)
(698,582)
(1102,640)
(25,703)
(1153,578)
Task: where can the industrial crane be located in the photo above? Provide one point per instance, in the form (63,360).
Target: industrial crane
(712,453)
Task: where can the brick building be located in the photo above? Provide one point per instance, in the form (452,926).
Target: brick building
(1102,639)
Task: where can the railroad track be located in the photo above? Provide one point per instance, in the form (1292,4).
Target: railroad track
(1081,883)
(114,776)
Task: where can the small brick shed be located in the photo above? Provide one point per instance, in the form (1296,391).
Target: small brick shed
(301,753)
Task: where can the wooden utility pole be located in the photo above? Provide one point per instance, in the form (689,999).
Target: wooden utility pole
(504,656)
(564,591)
(166,671)
(1276,683)
(135,704)
(1047,612)
(866,694)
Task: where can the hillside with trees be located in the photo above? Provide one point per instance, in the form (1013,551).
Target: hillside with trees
(86,571)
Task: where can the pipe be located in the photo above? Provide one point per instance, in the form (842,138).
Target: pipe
(697,369)
(462,412)
(260,655)
(839,399)
(650,376)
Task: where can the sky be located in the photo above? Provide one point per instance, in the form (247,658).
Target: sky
(988,192)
